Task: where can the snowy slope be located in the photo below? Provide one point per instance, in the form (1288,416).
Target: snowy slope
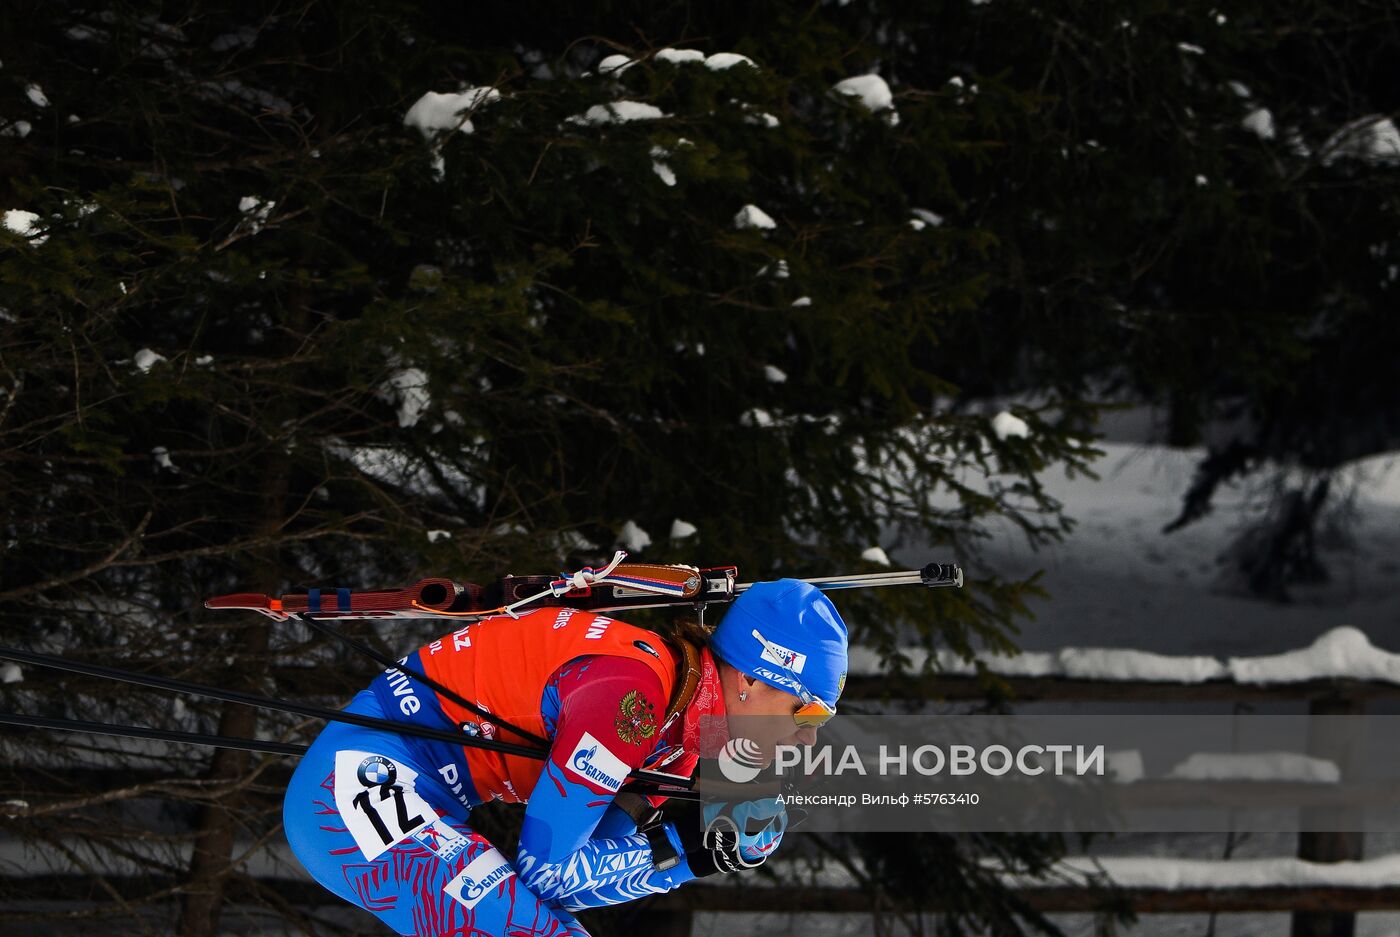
(1118,581)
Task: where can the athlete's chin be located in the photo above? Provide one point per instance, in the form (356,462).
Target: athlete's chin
(770,752)
(763,758)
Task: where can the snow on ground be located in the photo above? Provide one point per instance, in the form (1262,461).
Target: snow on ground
(1341,652)
(1076,925)
(1174,874)
(1128,600)
(1257,766)
(1141,871)
(1118,581)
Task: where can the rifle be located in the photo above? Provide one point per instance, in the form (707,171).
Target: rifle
(615,587)
(618,586)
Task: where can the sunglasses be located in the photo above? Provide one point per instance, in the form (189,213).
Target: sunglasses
(814,712)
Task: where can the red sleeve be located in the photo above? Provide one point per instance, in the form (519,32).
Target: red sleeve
(618,701)
(609,712)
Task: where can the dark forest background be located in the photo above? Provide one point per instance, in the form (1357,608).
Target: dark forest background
(258,334)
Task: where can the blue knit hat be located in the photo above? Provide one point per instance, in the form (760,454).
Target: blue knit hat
(806,638)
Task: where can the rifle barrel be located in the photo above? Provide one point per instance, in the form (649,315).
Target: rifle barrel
(932,575)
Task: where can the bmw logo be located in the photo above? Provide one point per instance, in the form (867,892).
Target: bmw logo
(376,771)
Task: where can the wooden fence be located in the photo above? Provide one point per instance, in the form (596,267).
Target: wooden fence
(1316,911)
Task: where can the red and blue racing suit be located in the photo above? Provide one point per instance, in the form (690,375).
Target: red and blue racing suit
(380,818)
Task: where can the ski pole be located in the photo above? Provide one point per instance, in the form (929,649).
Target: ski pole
(422,678)
(260,746)
(258,702)
(659,778)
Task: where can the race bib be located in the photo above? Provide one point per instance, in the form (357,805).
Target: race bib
(377,801)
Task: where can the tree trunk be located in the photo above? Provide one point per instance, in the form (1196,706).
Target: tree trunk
(213,846)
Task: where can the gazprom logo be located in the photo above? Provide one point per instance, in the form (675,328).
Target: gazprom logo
(474,889)
(582,760)
(592,761)
(481,875)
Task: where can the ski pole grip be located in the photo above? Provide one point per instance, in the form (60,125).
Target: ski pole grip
(942,574)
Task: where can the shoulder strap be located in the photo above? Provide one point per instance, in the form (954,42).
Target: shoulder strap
(642,811)
(687,677)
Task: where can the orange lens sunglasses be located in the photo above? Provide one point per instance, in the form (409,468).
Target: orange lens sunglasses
(813,713)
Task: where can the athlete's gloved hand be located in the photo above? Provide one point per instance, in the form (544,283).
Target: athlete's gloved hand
(730,839)
(760,825)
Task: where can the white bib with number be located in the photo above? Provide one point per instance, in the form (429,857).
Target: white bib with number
(377,800)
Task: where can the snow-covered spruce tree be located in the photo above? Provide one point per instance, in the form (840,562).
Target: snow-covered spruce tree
(1193,205)
(342,294)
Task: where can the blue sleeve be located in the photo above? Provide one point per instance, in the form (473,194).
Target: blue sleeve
(630,883)
(607,719)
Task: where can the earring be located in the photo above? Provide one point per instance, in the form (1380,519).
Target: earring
(743,695)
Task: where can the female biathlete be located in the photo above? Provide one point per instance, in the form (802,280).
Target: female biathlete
(380,818)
